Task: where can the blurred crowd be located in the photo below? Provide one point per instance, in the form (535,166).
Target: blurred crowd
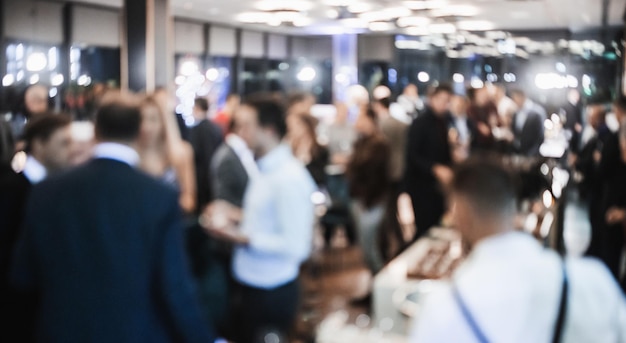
(205,235)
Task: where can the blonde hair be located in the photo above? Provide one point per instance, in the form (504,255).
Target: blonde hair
(171,134)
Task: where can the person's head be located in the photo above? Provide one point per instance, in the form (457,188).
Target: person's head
(157,126)
(481,96)
(573,96)
(36,100)
(439,99)
(596,115)
(200,108)
(410,91)
(519,97)
(300,103)
(301,129)
(265,121)
(232,102)
(381,106)
(366,124)
(459,105)
(483,197)
(48,139)
(619,107)
(381,92)
(118,120)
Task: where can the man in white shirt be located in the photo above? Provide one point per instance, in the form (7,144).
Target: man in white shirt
(276,231)
(510,288)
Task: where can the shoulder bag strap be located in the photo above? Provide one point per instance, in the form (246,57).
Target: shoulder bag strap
(560,321)
(469,318)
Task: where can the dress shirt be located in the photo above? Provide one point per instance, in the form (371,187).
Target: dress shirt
(278,218)
(242,151)
(512,287)
(34,171)
(506,106)
(118,152)
(460,123)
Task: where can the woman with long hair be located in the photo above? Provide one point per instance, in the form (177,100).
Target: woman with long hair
(306,147)
(163,152)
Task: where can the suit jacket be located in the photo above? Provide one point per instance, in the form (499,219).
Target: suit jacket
(230,178)
(205,138)
(528,140)
(16,309)
(103,249)
(427,145)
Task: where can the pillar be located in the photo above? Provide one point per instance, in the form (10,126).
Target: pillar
(345,64)
(147,51)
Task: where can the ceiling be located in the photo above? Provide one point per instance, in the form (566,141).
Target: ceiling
(316,16)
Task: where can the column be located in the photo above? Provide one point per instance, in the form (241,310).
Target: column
(345,64)
(3,61)
(147,51)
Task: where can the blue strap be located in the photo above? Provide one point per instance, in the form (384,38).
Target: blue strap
(469,318)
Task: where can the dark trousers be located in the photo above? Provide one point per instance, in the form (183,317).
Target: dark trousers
(428,207)
(613,243)
(267,312)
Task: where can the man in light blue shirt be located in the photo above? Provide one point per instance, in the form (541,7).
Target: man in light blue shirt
(276,231)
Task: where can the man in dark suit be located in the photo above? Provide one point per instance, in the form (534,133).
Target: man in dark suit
(205,137)
(428,160)
(102,248)
(527,125)
(47,143)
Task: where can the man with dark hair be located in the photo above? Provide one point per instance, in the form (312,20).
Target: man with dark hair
(510,288)
(428,160)
(102,248)
(276,233)
(47,144)
(527,125)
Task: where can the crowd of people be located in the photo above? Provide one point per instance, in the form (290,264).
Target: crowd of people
(157,231)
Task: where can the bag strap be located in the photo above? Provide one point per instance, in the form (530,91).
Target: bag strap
(469,318)
(560,321)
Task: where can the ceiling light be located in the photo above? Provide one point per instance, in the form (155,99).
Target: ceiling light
(302,21)
(386,14)
(423,76)
(355,23)
(274,5)
(359,7)
(381,26)
(425,4)
(57,79)
(212,74)
(417,31)
(254,17)
(332,13)
(455,11)
(443,28)
(413,21)
(340,3)
(36,61)
(474,25)
(458,78)
(8,80)
(306,74)
(34,79)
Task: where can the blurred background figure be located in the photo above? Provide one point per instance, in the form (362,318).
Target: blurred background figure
(35,103)
(527,125)
(205,137)
(369,178)
(164,155)
(511,288)
(299,103)
(224,116)
(484,113)
(463,129)
(47,144)
(572,112)
(411,101)
(301,134)
(428,160)
(613,175)
(505,105)
(341,136)
(395,132)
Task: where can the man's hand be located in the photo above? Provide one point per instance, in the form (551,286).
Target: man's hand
(229,235)
(220,220)
(443,174)
(615,215)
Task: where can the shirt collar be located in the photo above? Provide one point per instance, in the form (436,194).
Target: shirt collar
(118,152)
(236,143)
(34,171)
(275,158)
(509,241)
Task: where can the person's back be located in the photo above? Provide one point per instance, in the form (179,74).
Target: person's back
(102,248)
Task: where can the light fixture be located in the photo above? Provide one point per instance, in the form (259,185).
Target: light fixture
(34,79)
(306,74)
(423,76)
(475,25)
(332,13)
(84,80)
(560,67)
(442,28)
(301,21)
(53,92)
(458,78)
(413,21)
(386,14)
(417,31)
(477,82)
(276,5)
(254,17)
(188,68)
(36,62)
(359,7)
(379,26)
(355,23)
(212,74)
(455,11)
(57,79)
(8,80)
(424,4)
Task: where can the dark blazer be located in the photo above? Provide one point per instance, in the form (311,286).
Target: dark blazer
(205,138)
(103,249)
(229,177)
(528,140)
(16,309)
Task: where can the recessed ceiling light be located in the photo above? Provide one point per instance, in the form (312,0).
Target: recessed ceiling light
(413,21)
(332,13)
(443,28)
(425,4)
(475,25)
(455,10)
(274,5)
(381,26)
(254,17)
(386,14)
(359,7)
